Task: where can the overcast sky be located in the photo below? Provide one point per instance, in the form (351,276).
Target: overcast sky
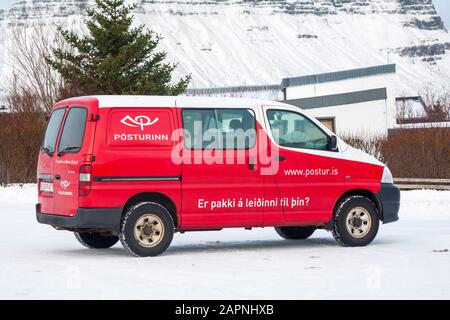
(442,6)
(6,3)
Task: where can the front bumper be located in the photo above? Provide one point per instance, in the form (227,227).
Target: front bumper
(107,219)
(389,197)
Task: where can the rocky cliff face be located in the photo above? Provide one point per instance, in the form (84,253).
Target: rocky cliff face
(37,9)
(237,42)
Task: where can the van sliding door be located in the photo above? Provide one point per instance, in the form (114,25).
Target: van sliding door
(221,186)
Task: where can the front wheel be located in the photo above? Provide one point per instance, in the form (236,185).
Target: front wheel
(295,233)
(147,229)
(96,240)
(355,222)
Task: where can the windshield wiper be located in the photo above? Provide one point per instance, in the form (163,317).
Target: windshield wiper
(65,150)
(47,151)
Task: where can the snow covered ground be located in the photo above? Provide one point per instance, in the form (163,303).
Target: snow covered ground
(407,260)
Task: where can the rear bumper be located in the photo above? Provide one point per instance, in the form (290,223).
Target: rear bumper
(95,218)
(389,197)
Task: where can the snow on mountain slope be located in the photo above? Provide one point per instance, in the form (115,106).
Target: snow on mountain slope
(257,42)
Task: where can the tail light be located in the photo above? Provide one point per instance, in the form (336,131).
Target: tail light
(85,185)
(45,183)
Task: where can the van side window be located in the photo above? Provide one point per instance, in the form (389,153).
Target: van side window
(226,129)
(51,134)
(291,129)
(73,131)
(196,123)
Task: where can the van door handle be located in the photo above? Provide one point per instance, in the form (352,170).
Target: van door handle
(57,176)
(279,158)
(251,164)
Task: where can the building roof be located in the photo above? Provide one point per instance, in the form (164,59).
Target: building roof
(422,125)
(337,76)
(411,98)
(238,89)
(339,99)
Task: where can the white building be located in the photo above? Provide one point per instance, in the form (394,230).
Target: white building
(351,102)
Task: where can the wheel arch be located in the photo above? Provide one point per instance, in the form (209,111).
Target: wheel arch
(157,197)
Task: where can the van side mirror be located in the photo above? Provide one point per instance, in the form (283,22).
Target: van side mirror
(332,143)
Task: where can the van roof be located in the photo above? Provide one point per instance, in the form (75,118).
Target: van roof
(115,101)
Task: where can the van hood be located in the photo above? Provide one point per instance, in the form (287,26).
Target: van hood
(353,154)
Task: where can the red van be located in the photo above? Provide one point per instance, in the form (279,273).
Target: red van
(140,168)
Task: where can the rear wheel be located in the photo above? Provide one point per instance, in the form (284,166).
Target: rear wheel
(96,240)
(295,233)
(147,229)
(356,222)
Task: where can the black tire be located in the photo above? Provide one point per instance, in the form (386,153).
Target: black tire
(347,228)
(295,233)
(96,240)
(141,246)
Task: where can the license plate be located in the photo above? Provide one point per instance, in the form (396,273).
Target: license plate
(46,187)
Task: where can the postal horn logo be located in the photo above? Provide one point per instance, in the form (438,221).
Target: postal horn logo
(65,184)
(138,121)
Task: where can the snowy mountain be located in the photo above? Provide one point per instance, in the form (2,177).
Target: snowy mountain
(256,42)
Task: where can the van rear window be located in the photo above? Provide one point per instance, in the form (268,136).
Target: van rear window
(73,131)
(51,134)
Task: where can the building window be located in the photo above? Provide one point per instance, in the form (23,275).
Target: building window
(329,123)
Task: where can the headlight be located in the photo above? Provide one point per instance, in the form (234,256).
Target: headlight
(387,176)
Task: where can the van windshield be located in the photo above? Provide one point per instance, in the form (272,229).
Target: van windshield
(73,131)
(51,134)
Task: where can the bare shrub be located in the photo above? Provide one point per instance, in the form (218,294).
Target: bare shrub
(31,73)
(406,113)
(419,153)
(435,107)
(20,138)
(436,104)
(411,153)
(31,90)
(368,144)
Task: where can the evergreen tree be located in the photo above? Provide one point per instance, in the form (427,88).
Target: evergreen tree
(114,57)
